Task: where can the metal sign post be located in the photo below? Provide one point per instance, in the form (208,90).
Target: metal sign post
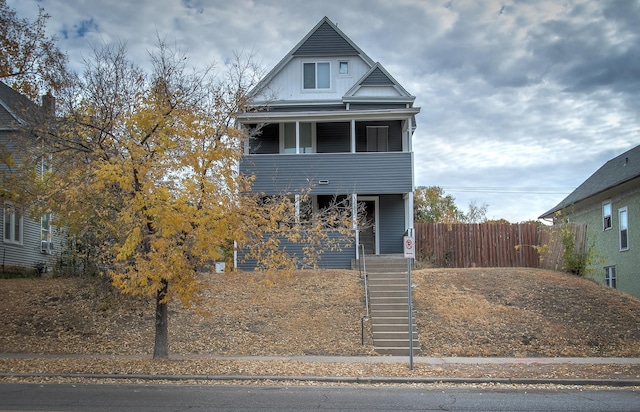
(409,253)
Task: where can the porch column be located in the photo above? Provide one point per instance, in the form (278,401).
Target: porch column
(408,213)
(353,136)
(297,137)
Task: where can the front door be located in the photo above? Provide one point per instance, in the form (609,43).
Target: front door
(368,231)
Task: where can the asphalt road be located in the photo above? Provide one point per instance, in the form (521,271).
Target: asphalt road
(139,398)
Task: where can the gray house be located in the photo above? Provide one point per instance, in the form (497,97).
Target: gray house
(26,242)
(339,122)
(609,203)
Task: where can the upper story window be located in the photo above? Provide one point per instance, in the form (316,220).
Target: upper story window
(305,138)
(624,228)
(46,235)
(316,75)
(606,215)
(343,68)
(12,225)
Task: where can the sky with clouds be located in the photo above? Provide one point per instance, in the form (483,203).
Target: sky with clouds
(522,100)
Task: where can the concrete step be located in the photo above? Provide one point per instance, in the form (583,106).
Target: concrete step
(401,351)
(394,343)
(390,320)
(403,333)
(388,299)
(394,336)
(387,281)
(386,293)
(385,307)
(395,275)
(392,327)
(380,263)
(388,313)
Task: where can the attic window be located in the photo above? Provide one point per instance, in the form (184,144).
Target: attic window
(343,68)
(316,75)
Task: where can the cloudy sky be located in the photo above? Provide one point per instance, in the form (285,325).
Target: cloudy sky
(522,100)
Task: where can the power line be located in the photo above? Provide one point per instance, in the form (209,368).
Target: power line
(520,190)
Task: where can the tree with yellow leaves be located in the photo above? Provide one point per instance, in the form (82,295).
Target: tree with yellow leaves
(146,162)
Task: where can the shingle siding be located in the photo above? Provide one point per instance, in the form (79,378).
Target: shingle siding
(377,78)
(325,41)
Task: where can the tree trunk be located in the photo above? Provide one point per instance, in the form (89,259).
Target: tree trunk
(161,346)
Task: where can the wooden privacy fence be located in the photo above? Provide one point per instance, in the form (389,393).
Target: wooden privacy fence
(492,245)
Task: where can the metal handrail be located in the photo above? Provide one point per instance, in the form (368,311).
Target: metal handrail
(363,265)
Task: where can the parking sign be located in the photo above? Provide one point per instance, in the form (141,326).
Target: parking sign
(409,247)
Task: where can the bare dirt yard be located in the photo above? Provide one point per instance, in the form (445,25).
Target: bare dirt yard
(506,312)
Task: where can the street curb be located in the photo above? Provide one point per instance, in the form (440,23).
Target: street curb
(341,379)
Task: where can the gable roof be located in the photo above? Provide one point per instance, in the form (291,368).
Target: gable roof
(616,171)
(324,39)
(12,106)
(377,76)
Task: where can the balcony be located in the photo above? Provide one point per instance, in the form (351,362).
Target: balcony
(331,173)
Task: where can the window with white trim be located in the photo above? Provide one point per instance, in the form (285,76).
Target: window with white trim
(624,228)
(606,215)
(12,224)
(610,276)
(46,236)
(343,68)
(316,75)
(289,138)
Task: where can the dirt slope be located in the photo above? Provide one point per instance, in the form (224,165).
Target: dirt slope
(459,312)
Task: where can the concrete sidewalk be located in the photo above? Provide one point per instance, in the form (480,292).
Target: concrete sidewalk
(610,380)
(349,359)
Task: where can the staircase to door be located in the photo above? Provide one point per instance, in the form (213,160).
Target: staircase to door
(389,307)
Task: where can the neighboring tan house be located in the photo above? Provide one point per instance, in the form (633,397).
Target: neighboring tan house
(339,122)
(609,203)
(26,243)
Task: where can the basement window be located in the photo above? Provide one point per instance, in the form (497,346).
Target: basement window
(610,276)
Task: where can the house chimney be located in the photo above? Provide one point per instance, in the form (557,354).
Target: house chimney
(49,104)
